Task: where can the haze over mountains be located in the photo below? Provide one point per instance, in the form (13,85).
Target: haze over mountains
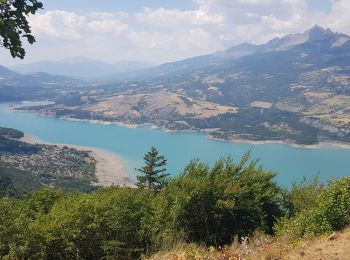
(83,68)
(324,40)
(293,88)
(15,86)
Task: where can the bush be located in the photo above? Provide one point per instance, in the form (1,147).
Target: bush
(204,205)
(331,212)
(212,205)
(302,196)
(18,240)
(106,223)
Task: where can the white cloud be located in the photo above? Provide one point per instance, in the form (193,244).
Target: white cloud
(162,35)
(60,24)
(338,19)
(175,18)
(106,26)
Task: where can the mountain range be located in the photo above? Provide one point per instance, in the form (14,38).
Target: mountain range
(15,86)
(313,41)
(295,89)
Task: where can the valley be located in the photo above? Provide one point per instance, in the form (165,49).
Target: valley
(301,97)
(201,129)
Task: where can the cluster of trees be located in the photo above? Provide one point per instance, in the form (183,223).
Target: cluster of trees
(206,205)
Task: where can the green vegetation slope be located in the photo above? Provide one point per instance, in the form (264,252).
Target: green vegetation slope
(208,206)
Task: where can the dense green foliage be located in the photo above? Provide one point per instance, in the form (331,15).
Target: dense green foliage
(14,24)
(212,205)
(205,205)
(323,211)
(110,222)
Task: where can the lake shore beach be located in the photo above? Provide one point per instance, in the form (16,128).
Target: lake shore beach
(109,167)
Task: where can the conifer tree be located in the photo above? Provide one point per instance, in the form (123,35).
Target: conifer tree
(153,174)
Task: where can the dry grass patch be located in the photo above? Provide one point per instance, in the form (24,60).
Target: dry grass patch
(157,105)
(261,247)
(261,104)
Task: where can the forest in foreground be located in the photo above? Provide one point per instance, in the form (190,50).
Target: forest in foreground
(211,207)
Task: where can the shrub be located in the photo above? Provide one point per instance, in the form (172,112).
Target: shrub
(212,205)
(331,212)
(108,223)
(301,196)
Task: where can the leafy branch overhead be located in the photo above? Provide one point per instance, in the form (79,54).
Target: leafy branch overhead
(14,25)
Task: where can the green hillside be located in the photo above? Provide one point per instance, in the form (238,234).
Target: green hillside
(204,210)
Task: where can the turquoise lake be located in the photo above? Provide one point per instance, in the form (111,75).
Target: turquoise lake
(130,144)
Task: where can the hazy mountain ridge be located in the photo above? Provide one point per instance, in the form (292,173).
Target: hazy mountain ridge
(15,86)
(332,42)
(83,68)
(11,78)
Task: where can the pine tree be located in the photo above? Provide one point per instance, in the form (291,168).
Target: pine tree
(153,174)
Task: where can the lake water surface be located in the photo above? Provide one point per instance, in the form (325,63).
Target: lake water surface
(130,144)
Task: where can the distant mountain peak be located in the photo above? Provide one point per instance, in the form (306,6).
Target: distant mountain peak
(76,59)
(318,28)
(315,33)
(319,33)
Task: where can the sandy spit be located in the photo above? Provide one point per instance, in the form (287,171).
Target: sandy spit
(109,167)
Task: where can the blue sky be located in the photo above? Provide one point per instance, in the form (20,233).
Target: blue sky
(162,31)
(117,5)
(321,5)
(137,5)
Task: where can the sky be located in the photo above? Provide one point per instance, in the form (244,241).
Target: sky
(162,31)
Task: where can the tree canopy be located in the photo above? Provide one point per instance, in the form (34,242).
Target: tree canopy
(14,25)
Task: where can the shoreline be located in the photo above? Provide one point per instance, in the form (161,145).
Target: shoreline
(321,144)
(109,167)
